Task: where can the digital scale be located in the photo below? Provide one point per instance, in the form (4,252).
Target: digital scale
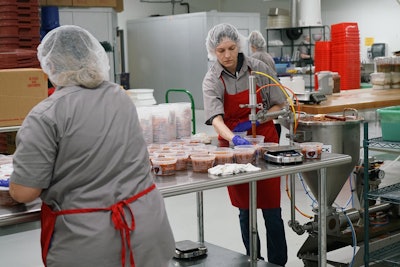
(187,249)
(284,155)
(311,97)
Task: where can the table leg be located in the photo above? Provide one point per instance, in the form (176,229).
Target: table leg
(253,221)
(200,218)
(322,218)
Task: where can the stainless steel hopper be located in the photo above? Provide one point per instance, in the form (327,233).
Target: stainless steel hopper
(341,135)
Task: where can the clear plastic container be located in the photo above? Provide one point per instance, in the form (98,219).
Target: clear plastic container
(223,155)
(181,160)
(263,147)
(171,120)
(202,162)
(255,140)
(161,124)
(183,118)
(395,80)
(336,82)
(163,166)
(164,153)
(377,80)
(311,150)
(245,154)
(145,120)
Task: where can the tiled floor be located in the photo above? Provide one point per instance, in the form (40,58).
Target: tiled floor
(220,218)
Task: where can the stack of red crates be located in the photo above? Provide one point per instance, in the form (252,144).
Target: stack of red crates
(19,33)
(345,57)
(322,61)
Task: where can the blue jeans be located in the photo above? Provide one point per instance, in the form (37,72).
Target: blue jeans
(276,239)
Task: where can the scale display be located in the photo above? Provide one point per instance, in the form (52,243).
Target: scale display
(284,155)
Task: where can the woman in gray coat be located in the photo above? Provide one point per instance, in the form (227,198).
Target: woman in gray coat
(83,153)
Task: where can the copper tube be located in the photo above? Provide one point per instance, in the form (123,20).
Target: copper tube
(253,129)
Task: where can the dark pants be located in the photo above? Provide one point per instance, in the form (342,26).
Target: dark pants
(278,128)
(276,239)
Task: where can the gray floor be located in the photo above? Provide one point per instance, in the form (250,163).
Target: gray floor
(221,219)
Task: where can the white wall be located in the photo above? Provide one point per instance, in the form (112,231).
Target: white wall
(377,19)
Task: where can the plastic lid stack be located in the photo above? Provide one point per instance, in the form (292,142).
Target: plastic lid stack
(345,59)
(19,33)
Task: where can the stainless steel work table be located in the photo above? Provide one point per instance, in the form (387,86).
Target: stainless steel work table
(184,182)
(189,182)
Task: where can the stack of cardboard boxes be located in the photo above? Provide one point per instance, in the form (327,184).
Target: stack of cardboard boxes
(118,5)
(22,82)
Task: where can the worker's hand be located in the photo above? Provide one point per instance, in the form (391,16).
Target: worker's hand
(238,141)
(244,126)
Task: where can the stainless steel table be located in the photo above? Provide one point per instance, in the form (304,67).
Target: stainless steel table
(188,182)
(184,182)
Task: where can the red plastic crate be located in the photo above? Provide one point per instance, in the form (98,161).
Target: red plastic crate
(18,58)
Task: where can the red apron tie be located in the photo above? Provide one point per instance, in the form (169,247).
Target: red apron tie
(118,217)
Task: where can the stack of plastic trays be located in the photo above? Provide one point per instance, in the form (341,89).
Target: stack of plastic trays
(28,23)
(18,58)
(9,38)
(345,56)
(322,60)
(19,33)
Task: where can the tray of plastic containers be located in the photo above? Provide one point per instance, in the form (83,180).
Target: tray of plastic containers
(390,123)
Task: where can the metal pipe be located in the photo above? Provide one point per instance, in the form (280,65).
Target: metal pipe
(293,11)
(322,218)
(365,197)
(354,214)
(253,221)
(292,198)
(200,217)
(253,104)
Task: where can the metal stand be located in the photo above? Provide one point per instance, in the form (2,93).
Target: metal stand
(253,221)
(322,218)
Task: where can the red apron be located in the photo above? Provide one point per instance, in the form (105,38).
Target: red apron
(48,221)
(268,191)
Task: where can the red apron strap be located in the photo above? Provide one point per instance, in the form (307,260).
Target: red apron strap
(121,223)
(48,220)
(118,216)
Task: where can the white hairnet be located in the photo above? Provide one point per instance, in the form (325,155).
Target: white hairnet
(218,33)
(257,40)
(70,55)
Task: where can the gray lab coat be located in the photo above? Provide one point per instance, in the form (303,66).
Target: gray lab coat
(85,148)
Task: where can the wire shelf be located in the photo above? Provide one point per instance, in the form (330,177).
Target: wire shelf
(380,143)
(387,256)
(389,193)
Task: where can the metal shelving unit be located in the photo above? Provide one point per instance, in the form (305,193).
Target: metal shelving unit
(388,255)
(290,46)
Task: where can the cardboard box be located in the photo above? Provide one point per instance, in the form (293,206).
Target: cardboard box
(20,90)
(118,5)
(55,2)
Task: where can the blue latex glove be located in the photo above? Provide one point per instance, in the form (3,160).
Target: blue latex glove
(244,126)
(238,141)
(5,183)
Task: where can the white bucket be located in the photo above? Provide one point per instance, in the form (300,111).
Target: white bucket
(325,82)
